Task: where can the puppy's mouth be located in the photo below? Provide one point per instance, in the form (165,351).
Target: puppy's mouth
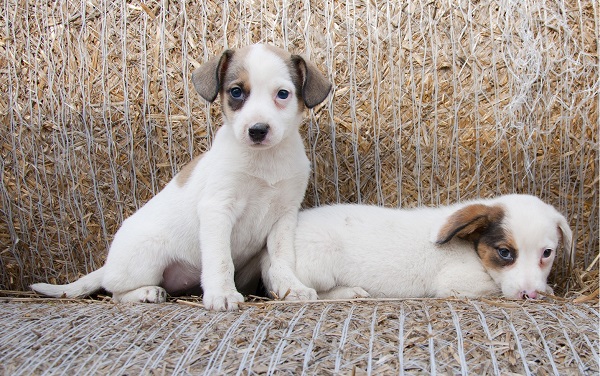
(259,144)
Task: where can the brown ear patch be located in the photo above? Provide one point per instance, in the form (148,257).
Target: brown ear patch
(315,87)
(184,175)
(208,78)
(469,222)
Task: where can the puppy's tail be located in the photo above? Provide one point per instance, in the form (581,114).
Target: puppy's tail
(84,286)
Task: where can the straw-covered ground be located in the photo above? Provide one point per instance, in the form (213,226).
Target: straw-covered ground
(426,336)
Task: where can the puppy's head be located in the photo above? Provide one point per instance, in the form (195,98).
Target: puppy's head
(516,238)
(264,91)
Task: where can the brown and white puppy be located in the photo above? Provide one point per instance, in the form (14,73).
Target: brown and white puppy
(484,247)
(222,209)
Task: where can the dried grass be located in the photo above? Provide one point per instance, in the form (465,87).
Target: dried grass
(427,336)
(433,102)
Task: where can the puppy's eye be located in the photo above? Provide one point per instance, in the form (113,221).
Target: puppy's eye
(547,253)
(505,254)
(236,92)
(283,94)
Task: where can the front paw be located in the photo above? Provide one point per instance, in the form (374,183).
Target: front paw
(359,293)
(298,293)
(226,301)
(153,294)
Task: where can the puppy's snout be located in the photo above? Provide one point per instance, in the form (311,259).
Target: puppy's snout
(529,294)
(258,132)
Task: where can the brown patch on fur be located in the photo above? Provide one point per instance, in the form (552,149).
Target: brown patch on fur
(184,175)
(469,222)
(235,74)
(487,247)
(482,225)
(239,78)
(283,54)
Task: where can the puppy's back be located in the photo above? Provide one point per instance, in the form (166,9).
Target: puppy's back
(355,245)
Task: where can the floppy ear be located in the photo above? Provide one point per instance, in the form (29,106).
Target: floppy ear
(208,78)
(468,223)
(315,87)
(567,237)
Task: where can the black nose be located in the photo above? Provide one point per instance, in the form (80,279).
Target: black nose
(258,132)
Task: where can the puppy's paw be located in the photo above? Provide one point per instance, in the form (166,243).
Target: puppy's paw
(146,294)
(226,301)
(299,293)
(154,294)
(359,292)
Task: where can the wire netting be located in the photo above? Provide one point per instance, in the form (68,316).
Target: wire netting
(433,102)
(351,338)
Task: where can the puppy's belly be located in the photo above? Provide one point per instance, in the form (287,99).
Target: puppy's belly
(181,277)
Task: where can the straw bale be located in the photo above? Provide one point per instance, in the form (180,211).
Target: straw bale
(433,102)
(426,336)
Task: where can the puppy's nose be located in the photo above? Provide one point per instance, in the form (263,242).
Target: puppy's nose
(529,294)
(258,132)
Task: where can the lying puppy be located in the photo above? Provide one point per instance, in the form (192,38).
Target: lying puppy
(223,208)
(471,249)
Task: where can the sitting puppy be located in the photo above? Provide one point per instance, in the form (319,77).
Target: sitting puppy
(222,209)
(478,248)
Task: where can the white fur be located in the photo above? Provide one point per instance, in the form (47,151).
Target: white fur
(239,197)
(346,251)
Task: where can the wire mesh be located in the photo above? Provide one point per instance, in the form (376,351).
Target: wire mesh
(433,102)
(369,337)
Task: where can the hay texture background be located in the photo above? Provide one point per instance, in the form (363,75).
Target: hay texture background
(418,337)
(433,102)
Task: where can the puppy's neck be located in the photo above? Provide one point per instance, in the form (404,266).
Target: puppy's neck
(281,162)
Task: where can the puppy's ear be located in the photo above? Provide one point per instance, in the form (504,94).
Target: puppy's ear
(315,87)
(566,236)
(208,78)
(468,223)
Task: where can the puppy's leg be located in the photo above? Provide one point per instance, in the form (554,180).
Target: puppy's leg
(216,225)
(344,292)
(461,281)
(146,294)
(280,277)
(134,267)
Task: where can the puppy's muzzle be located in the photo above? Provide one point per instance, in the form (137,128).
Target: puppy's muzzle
(258,132)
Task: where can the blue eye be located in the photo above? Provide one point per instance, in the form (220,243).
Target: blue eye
(505,254)
(236,92)
(547,253)
(283,94)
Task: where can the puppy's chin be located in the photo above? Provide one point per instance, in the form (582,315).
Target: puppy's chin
(259,145)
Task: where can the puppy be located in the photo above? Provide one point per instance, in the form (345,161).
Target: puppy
(484,247)
(223,207)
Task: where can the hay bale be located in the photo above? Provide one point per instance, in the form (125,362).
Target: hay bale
(359,338)
(433,102)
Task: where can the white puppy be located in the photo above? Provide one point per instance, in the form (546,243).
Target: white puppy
(478,248)
(223,208)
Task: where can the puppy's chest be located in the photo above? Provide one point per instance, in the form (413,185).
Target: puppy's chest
(259,204)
